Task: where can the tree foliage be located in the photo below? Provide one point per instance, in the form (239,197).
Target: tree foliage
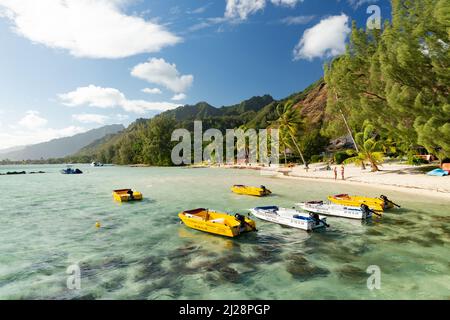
(397,79)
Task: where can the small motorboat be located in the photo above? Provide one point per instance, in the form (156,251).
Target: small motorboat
(71,171)
(251,191)
(126,195)
(378,204)
(329,209)
(217,222)
(290,217)
(96,164)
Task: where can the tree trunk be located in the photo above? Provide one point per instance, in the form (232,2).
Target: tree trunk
(363,166)
(298,149)
(374,165)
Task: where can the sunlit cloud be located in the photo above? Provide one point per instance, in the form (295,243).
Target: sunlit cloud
(325,39)
(86,28)
(90,118)
(100,97)
(160,72)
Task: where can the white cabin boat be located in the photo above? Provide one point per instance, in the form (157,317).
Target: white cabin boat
(96,164)
(290,217)
(336,210)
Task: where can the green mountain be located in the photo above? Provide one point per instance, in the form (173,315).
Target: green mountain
(63,147)
(148,140)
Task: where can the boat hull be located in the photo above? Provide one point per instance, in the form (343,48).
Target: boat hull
(335,210)
(123,196)
(216,222)
(302,222)
(250,191)
(356,201)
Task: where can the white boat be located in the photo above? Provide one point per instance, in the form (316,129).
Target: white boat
(290,217)
(336,210)
(96,164)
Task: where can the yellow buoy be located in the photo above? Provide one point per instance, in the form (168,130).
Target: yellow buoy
(97,225)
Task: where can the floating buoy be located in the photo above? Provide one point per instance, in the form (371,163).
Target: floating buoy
(97,225)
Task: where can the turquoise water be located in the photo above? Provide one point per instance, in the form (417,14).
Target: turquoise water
(47,223)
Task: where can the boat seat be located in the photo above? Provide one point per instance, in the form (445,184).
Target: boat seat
(193,216)
(220,220)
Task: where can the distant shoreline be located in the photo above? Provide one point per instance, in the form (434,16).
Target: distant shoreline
(394,176)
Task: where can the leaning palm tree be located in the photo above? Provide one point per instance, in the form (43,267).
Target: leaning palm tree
(370,149)
(289,122)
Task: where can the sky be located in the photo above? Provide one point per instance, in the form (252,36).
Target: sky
(68,66)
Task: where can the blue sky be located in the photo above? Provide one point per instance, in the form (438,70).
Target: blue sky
(73,65)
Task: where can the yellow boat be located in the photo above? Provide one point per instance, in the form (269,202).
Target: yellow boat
(251,191)
(125,195)
(216,222)
(378,204)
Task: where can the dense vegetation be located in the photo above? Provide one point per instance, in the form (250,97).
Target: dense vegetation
(396,80)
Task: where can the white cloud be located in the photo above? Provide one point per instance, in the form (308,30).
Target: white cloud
(325,39)
(199,10)
(86,28)
(122,117)
(93,96)
(287,3)
(208,22)
(100,97)
(241,9)
(297,20)
(32,120)
(152,90)
(238,10)
(158,71)
(357,3)
(140,106)
(179,97)
(90,118)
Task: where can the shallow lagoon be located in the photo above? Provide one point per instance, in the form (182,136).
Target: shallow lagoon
(142,252)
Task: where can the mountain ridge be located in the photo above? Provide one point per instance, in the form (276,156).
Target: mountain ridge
(61,147)
(256,112)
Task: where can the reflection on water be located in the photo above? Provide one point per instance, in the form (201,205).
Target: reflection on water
(142,251)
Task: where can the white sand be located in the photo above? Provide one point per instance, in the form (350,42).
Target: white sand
(393,176)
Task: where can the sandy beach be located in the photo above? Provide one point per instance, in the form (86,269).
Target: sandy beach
(393,176)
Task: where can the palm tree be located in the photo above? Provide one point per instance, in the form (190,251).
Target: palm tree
(284,144)
(370,149)
(289,122)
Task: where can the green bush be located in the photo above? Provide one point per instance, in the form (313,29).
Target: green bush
(416,161)
(341,156)
(316,158)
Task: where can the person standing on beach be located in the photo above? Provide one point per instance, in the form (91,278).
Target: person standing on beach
(335,173)
(342,172)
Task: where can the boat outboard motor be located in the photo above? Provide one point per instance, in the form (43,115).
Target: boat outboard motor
(365,209)
(317,220)
(130,193)
(386,201)
(240,218)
